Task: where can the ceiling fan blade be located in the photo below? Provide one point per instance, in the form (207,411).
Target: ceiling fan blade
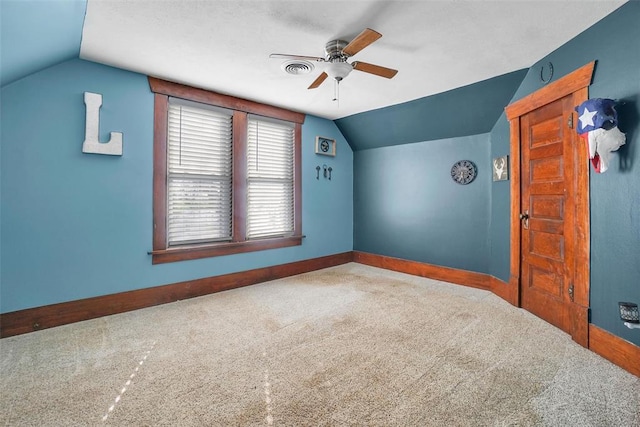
(317,82)
(285,56)
(364,39)
(374,69)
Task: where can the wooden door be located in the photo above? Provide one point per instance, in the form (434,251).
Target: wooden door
(550,190)
(547,218)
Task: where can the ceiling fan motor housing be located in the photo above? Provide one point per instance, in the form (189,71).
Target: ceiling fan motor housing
(334,48)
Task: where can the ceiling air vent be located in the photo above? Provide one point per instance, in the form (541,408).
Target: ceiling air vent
(297,67)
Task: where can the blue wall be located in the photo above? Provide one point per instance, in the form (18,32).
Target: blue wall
(615,195)
(499,232)
(407,206)
(38,34)
(79,225)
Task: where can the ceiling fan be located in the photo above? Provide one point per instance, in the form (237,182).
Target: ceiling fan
(336,54)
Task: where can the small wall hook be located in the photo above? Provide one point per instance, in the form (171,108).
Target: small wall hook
(324,167)
(318,172)
(330,169)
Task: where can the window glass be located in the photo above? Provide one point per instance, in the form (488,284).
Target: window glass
(270,179)
(199,190)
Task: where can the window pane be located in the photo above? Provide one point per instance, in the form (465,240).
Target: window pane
(199,210)
(270,208)
(199,141)
(270,178)
(199,175)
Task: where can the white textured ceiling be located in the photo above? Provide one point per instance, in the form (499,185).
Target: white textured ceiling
(224,46)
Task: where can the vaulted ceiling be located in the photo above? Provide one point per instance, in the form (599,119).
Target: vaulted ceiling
(224,46)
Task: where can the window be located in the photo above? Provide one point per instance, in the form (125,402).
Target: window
(226,174)
(270,183)
(198,174)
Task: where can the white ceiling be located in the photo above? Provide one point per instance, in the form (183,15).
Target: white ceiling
(224,46)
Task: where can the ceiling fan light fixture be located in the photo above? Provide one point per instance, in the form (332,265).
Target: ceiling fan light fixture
(339,70)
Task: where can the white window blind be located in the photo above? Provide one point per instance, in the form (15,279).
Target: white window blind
(270,178)
(199,173)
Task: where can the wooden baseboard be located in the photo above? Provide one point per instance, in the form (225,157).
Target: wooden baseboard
(506,291)
(446,274)
(615,349)
(29,320)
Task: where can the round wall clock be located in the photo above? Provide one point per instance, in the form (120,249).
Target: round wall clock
(463,172)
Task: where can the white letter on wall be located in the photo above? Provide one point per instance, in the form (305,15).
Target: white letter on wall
(91,143)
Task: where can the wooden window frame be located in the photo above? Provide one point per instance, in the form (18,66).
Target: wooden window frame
(161,253)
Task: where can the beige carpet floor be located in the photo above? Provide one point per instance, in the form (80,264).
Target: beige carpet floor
(346,346)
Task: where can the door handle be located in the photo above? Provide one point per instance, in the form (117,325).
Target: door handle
(524,217)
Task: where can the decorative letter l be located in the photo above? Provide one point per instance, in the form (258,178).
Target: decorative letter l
(91,143)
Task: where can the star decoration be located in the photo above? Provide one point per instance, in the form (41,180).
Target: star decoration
(586,119)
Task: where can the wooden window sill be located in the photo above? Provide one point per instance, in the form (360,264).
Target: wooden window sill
(185,253)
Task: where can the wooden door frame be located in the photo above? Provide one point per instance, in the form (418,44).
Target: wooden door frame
(576,83)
